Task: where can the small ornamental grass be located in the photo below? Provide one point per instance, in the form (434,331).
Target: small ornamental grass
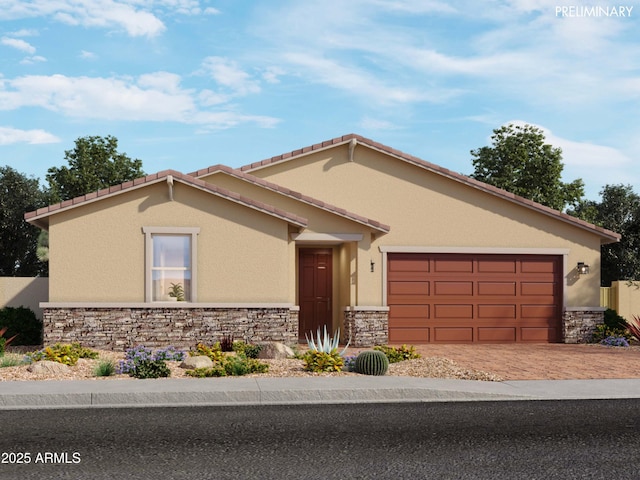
(105,368)
(13,360)
(141,362)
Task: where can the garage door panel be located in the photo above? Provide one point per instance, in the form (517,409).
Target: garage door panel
(496,266)
(452,311)
(497,288)
(409,311)
(538,311)
(408,288)
(475,298)
(497,334)
(453,288)
(497,311)
(538,288)
(409,335)
(453,335)
(453,266)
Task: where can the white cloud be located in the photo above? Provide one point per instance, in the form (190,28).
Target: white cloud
(151,97)
(87,55)
(88,13)
(33,59)
(10,135)
(228,74)
(18,44)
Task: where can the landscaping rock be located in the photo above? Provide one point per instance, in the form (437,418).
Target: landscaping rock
(275,351)
(47,367)
(198,361)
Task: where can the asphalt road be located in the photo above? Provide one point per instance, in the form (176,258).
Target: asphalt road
(474,440)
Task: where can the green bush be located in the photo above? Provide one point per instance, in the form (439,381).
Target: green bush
(13,360)
(214,352)
(151,369)
(613,320)
(66,353)
(248,349)
(319,362)
(398,354)
(602,331)
(231,365)
(21,321)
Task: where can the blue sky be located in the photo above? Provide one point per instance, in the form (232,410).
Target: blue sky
(185,84)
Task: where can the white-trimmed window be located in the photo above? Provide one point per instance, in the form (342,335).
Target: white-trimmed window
(170,263)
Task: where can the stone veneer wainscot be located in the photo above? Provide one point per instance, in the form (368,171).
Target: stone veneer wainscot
(121,326)
(366,326)
(579,323)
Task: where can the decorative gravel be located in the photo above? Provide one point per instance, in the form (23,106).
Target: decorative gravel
(430,367)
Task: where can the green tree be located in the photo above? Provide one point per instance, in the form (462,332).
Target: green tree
(520,162)
(94,163)
(18,239)
(618,210)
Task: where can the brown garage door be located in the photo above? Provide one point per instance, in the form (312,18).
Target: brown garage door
(454,298)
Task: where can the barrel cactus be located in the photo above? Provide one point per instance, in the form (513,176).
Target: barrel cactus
(372,362)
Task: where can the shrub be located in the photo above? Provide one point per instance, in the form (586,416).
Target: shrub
(231,366)
(4,342)
(141,362)
(10,360)
(316,361)
(248,349)
(214,352)
(105,368)
(615,342)
(350,363)
(21,321)
(372,362)
(398,354)
(613,320)
(603,331)
(66,353)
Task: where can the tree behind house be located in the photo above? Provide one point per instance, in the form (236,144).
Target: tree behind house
(520,162)
(18,239)
(94,164)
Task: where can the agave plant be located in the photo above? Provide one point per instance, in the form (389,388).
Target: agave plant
(325,344)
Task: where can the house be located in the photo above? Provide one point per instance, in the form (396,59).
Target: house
(346,233)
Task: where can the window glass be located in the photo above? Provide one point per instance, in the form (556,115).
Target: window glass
(171,270)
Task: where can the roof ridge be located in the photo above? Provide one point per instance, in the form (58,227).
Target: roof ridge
(465,179)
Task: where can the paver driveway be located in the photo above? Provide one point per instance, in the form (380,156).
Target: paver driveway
(542,362)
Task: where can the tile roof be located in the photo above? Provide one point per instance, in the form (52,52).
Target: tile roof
(38,215)
(292,194)
(605,234)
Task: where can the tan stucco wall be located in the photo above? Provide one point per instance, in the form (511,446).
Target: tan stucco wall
(627,302)
(97,250)
(24,292)
(424,209)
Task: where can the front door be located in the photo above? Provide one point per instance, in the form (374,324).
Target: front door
(314,290)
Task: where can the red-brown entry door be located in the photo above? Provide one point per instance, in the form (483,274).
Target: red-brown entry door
(314,289)
(460,298)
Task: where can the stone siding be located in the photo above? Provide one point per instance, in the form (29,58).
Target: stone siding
(121,328)
(366,327)
(578,325)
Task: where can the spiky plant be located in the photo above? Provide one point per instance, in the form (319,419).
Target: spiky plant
(325,344)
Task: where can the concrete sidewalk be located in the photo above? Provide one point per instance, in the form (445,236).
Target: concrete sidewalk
(297,390)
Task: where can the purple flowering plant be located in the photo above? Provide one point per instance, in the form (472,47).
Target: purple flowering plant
(613,341)
(140,355)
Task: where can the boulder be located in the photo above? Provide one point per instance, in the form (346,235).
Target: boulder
(47,367)
(197,361)
(275,351)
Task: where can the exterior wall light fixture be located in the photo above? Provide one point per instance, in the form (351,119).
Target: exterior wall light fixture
(583,268)
(373,264)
